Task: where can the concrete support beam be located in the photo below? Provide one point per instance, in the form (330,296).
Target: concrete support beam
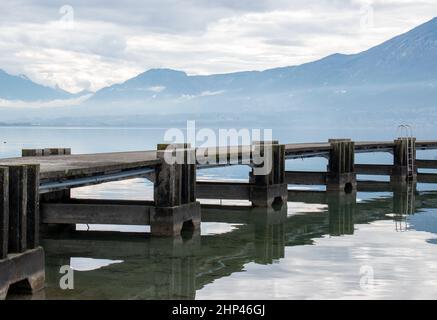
(305,177)
(307,196)
(374,186)
(426,164)
(175,191)
(373,169)
(268,185)
(222,190)
(341,175)
(427,178)
(402,148)
(96,213)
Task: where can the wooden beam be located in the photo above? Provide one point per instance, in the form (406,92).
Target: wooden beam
(374,186)
(306,196)
(95,213)
(223,190)
(426,164)
(374,169)
(427,177)
(305,177)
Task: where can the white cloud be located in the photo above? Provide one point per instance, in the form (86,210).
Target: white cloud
(110,42)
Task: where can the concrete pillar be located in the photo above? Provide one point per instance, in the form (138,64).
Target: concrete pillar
(399,173)
(341,175)
(268,187)
(174,191)
(17,208)
(4,212)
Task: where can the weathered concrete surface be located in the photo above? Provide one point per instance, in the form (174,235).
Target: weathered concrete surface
(401,165)
(341,175)
(269,188)
(174,192)
(22,272)
(169,221)
(97,212)
(68,166)
(60,167)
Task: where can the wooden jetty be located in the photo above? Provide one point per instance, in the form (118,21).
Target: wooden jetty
(35,189)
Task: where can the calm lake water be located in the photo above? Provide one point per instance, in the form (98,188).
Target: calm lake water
(368,246)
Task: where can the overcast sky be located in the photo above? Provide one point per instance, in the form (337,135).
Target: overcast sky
(89,44)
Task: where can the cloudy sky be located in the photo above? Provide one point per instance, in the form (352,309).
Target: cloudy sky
(89,44)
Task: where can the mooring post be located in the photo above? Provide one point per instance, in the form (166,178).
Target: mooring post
(4,212)
(174,191)
(404,159)
(267,177)
(341,175)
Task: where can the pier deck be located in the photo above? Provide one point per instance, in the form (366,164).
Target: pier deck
(64,167)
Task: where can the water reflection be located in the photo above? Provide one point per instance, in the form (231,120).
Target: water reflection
(262,253)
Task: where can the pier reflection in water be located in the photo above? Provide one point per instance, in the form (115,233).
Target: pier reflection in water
(259,243)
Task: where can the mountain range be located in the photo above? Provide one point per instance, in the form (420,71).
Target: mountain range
(398,74)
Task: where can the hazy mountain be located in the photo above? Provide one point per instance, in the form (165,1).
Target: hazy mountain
(394,82)
(21,88)
(408,58)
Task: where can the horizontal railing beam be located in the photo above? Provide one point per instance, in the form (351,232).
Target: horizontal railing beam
(223,190)
(97,212)
(373,169)
(305,177)
(51,186)
(426,164)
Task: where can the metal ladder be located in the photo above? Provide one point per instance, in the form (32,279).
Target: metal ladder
(406,133)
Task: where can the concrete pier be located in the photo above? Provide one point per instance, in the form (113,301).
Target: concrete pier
(404,157)
(341,175)
(175,191)
(268,186)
